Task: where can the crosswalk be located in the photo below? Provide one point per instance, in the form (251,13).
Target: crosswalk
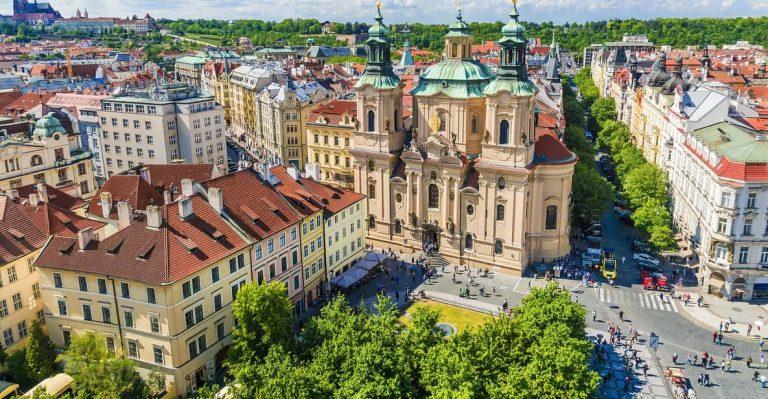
(647,300)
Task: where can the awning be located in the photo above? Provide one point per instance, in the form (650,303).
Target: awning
(349,278)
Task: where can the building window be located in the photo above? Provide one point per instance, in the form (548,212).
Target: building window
(67,337)
(468,242)
(499,212)
(151,295)
(87,315)
(764,255)
(371,222)
(433,196)
(22,326)
(441,125)
(133,349)
(61,302)
(504,132)
(722,225)
(16,301)
(128,319)
(721,252)
(398,227)
(36,160)
(752,200)
(57,280)
(83,283)
(371,191)
(8,337)
(470,210)
(220,333)
(743,254)
(158,354)
(102,284)
(296,282)
(154,324)
(725,199)
(371,121)
(270,246)
(125,291)
(110,344)
(551,218)
(215,271)
(501,183)
(747,227)
(217,304)
(106,315)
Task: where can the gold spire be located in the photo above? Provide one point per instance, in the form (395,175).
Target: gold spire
(378,4)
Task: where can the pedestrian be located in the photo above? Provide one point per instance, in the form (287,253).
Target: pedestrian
(721,327)
(762,359)
(699,300)
(688,359)
(749,330)
(695,359)
(397,296)
(700,380)
(627,382)
(621,315)
(504,305)
(494,290)
(645,370)
(755,376)
(722,365)
(674,358)
(728,365)
(763,380)
(714,337)
(749,362)
(594,315)
(706,379)
(720,339)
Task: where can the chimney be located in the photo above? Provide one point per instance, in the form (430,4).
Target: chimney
(167,197)
(34,199)
(313,171)
(106,204)
(84,237)
(154,217)
(185,208)
(13,194)
(187,187)
(42,191)
(124,215)
(293,171)
(216,199)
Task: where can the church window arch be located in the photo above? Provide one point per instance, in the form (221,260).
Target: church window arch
(475,123)
(498,247)
(36,160)
(398,227)
(371,222)
(500,212)
(442,120)
(371,166)
(551,217)
(454,50)
(397,119)
(501,183)
(372,191)
(504,132)
(433,196)
(469,243)
(371,120)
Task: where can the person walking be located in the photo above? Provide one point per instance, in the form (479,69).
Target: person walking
(763,380)
(645,369)
(706,379)
(621,315)
(762,359)
(699,300)
(722,365)
(720,338)
(749,330)
(728,365)
(749,362)
(755,376)
(714,337)
(594,315)
(700,380)
(674,358)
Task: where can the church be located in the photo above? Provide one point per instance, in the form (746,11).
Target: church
(34,13)
(470,178)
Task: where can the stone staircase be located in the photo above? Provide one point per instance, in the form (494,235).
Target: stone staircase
(435,260)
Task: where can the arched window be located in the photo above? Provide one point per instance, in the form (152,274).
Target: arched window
(474,123)
(371,166)
(398,227)
(551,219)
(504,132)
(470,210)
(371,121)
(468,242)
(434,196)
(441,118)
(498,248)
(499,212)
(371,222)
(502,183)
(36,160)
(371,191)
(454,50)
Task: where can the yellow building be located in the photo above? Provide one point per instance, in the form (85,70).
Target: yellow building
(291,187)
(25,225)
(245,83)
(50,155)
(159,290)
(329,133)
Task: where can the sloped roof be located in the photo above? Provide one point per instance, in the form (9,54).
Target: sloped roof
(178,249)
(549,150)
(332,199)
(738,144)
(55,196)
(168,176)
(131,189)
(334,111)
(254,205)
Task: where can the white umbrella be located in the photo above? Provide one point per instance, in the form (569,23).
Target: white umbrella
(759,323)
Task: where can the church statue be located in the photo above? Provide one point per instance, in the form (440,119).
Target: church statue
(453,139)
(386,124)
(450,226)
(413,218)
(524,138)
(487,135)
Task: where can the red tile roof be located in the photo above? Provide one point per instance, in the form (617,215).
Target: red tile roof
(25,228)
(549,149)
(131,189)
(55,196)
(178,249)
(253,204)
(168,176)
(314,193)
(334,112)
(27,102)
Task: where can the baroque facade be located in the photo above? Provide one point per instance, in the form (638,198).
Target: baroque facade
(473,180)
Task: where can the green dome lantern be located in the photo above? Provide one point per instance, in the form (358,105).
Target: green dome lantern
(512,75)
(378,69)
(47,126)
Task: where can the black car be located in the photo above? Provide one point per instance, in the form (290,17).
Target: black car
(651,268)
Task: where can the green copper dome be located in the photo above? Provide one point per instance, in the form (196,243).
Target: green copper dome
(47,126)
(454,78)
(513,31)
(378,68)
(378,30)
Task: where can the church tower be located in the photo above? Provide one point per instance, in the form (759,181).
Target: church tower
(510,102)
(379,133)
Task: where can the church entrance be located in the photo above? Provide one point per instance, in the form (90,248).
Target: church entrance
(431,238)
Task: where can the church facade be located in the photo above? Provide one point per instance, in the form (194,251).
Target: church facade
(471,178)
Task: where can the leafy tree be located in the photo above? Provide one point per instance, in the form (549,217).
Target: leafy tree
(16,364)
(662,237)
(627,160)
(603,110)
(98,373)
(40,353)
(592,194)
(265,318)
(651,213)
(644,183)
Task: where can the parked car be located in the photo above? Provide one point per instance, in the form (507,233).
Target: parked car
(649,267)
(640,256)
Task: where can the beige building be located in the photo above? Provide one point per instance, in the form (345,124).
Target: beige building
(159,290)
(246,82)
(189,70)
(49,155)
(26,223)
(475,183)
(329,133)
(164,124)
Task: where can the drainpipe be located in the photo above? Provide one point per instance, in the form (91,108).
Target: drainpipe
(117,311)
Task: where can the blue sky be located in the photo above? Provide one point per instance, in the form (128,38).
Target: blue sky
(429,11)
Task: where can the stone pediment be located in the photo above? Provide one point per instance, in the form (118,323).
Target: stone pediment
(451,160)
(436,146)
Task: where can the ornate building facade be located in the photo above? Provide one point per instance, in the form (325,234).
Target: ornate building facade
(471,178)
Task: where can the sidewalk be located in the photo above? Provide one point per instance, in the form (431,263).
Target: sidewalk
(715,310)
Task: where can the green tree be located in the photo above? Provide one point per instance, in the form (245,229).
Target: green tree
(16,366)
(628,159)
(662,237)
(592,194)
(40,353)
(651,213)
(98,373)
(643,183)
(265,318)
(603,110)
